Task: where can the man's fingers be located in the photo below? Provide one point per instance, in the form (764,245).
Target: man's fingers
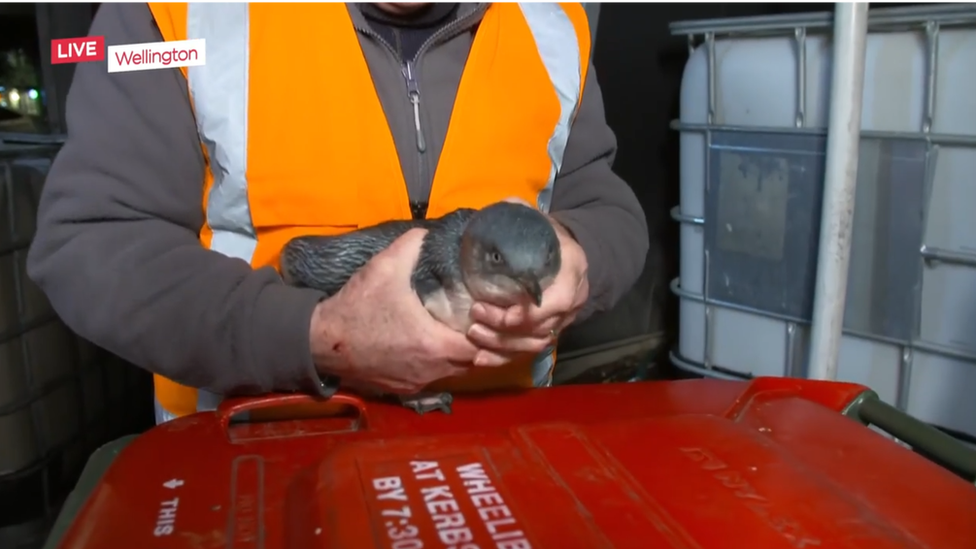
(453,346)
(405,249)
(489,315)
(399,259)
(492,340)
(567,320)
(519,325)
(492,359)
(554,306)
(505,319)
(451,370)
(548,326)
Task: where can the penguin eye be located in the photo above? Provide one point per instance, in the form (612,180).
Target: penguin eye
(495,257)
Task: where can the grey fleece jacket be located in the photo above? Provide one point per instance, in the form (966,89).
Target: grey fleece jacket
(117,248)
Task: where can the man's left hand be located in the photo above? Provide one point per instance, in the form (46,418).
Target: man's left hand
(504,333)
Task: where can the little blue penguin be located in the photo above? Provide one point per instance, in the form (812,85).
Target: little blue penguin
(504,254)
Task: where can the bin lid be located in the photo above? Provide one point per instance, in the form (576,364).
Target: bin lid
(699,464)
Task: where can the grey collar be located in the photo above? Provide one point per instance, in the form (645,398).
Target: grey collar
(466,11)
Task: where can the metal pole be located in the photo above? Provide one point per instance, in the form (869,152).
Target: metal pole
(843,136)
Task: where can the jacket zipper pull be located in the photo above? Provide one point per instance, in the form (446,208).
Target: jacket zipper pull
(418,210)
(413,92)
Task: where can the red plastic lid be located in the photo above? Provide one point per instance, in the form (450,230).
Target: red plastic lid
(693,464)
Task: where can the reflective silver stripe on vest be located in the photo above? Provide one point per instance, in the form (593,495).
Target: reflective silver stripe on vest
(162,416)
(220,97)
(219,90)
(555,37)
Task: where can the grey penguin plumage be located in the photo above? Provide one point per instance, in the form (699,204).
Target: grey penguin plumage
(505,254)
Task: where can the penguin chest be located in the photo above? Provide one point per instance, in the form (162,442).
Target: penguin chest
(451,306)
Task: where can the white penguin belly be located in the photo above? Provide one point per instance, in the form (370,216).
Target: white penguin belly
(451,307)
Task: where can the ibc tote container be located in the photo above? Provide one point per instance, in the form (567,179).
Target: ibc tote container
(753,123)
(60,397)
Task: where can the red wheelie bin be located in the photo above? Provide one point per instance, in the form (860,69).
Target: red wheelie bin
(700,464)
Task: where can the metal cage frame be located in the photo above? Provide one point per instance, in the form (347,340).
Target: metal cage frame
(850,25)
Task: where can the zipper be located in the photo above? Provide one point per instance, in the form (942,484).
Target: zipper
(418,208)
(446,30)
(413,95)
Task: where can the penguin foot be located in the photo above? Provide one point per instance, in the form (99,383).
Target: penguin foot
(428,402)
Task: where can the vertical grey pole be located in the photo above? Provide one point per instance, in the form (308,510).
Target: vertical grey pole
(843,137)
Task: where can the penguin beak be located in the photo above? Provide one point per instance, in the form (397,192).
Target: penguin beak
(532,288)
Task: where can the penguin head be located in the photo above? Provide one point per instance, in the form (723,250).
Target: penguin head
(509,254)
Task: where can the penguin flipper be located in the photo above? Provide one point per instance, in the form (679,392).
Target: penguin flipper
(326,263)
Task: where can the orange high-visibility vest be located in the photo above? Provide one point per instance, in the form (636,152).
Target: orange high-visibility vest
(271,176)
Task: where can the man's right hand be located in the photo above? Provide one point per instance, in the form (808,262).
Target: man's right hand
(375,331)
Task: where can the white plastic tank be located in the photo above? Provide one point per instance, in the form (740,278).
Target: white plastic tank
(754,111)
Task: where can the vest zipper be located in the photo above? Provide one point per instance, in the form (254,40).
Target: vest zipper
(445,31)
(418,208)
(413,95)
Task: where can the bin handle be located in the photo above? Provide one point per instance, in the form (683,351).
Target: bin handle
(230,407)
(924,439)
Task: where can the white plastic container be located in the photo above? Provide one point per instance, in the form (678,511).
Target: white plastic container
(754,110)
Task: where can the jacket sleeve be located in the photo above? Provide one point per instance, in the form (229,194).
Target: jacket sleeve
(598,207)
(117,249)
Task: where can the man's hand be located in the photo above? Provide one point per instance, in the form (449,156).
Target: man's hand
(505,333)
(375,331)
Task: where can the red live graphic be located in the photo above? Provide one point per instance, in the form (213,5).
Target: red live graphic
(77,50)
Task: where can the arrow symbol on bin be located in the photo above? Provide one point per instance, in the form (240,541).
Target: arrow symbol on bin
(173,484)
